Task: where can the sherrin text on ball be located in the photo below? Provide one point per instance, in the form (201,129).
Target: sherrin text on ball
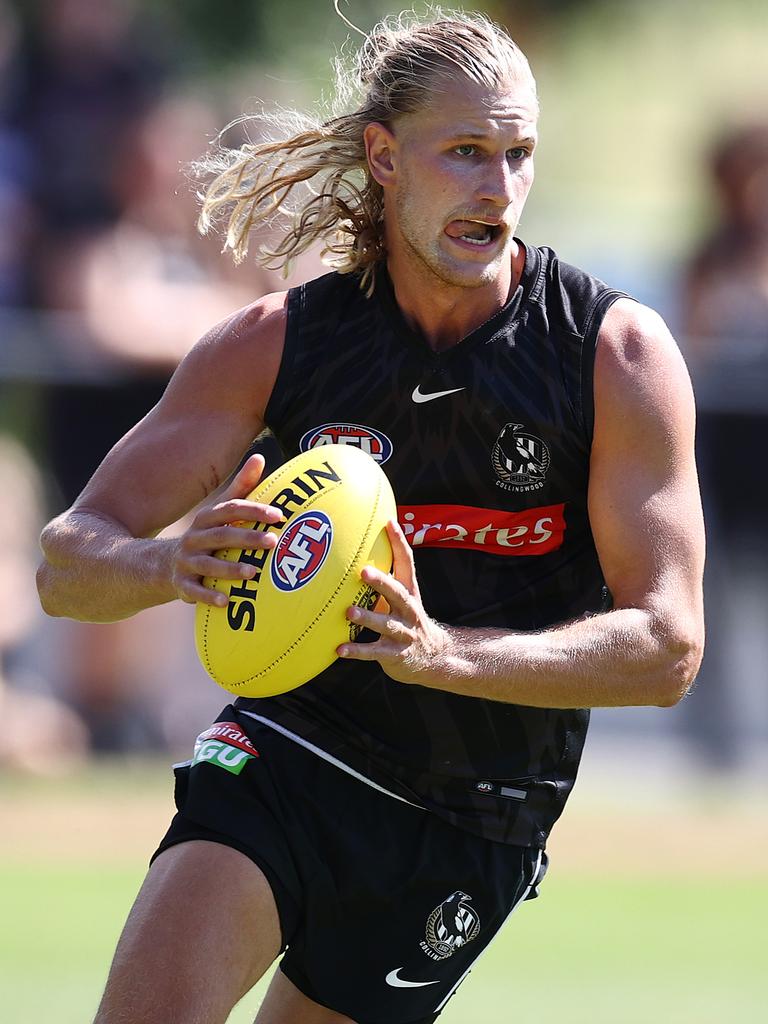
(281,628)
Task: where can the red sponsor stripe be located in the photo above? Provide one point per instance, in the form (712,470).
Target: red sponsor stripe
(230,733)
(536,531)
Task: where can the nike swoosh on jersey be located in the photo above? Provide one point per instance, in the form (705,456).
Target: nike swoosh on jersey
(393,980)
(418,397)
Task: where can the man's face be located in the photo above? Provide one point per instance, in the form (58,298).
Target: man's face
(464,167)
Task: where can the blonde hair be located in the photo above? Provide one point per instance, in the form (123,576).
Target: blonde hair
(318,175)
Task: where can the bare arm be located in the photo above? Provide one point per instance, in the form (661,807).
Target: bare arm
(102,559)
(646,520)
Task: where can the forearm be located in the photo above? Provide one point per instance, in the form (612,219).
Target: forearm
(626,657)
(96,571)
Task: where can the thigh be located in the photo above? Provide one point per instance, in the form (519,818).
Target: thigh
(285,1004)
(383,906)
(400,905)
(204,928)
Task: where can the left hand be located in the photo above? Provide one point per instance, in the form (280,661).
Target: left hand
(411,644)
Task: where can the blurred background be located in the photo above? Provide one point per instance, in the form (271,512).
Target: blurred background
(652,173)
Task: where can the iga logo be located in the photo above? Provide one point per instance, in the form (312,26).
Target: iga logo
(368,440)
(301,551)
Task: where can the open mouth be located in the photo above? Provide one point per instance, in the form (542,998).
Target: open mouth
(474,232)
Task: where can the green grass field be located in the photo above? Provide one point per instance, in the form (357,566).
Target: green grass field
(624,943)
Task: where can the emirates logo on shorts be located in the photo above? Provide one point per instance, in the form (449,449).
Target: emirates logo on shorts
(450,926)
(303,548)
(520,460)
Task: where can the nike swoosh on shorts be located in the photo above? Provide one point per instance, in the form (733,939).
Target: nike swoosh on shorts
(393,980)
(418,397)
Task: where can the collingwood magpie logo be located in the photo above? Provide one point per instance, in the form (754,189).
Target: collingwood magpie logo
(451,925)
(520,460)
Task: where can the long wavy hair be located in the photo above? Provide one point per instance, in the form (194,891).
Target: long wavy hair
(311,174)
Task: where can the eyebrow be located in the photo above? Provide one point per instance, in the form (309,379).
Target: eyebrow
(483,136)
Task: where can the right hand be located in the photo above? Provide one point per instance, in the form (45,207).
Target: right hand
(214,529)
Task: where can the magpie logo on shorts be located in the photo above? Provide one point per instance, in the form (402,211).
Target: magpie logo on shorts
(451,925)
(520,460)
(302,549)
(368,440)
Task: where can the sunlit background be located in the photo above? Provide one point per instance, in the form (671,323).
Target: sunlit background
(652,173)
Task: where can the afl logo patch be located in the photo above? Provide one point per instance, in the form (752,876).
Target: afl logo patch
(520,460)
(368,440)
(302,550)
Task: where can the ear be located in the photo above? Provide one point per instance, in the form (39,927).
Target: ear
(381,150)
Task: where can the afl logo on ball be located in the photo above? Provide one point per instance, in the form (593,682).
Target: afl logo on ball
(368,440)
(520,460)
(301,551)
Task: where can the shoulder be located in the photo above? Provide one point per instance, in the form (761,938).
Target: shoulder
(635,345)
(326,294)
(568,275)
(315,312)
(576,297)
(641,382)
(249,338)
(261,324)
(235,364)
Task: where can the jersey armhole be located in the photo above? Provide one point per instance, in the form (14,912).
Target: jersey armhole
(592,325)
(276,403)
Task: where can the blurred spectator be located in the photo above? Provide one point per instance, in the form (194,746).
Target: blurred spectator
(726,309)
(83,77)
(144,289)
(17,211)
(76,88)
(99,236)
(40,734)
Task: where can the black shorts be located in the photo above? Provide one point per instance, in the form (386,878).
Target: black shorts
(383,906)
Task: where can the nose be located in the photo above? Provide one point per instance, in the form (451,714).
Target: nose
(497,184)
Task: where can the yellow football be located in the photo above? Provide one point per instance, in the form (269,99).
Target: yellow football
(281,628)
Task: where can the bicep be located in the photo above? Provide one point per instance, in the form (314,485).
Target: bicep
(192,439)
(644,503)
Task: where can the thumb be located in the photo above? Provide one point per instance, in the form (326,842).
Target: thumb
(246,478)
(403,566)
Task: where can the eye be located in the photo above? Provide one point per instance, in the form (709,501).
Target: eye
(465,150)
(517,153)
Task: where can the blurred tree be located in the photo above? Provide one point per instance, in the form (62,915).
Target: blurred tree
(218,33)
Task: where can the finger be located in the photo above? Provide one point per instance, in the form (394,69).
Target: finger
(193,591)
(392,590)
(217,568)
(226,538)
(246,478)
(237,511)
(403,566)
(384,625)
(379,651)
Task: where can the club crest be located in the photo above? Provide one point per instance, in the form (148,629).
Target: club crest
(520,460)
(450,926)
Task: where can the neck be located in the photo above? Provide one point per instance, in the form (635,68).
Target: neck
(444,313)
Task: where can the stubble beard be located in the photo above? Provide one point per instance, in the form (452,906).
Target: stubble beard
(432,262)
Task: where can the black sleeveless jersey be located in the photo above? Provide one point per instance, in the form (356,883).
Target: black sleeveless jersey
(487,448)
